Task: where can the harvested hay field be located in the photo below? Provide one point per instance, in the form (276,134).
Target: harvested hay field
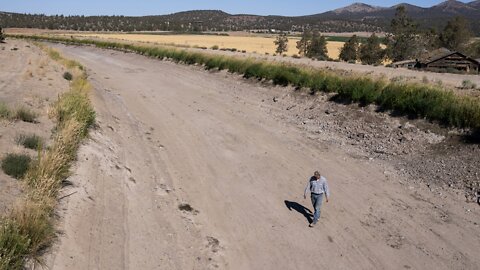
(258,44)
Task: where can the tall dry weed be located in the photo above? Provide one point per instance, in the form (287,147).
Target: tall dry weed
(29,229)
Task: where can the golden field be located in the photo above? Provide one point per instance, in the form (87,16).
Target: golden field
(250,44)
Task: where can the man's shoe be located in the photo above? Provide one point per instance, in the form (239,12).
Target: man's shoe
(311,225)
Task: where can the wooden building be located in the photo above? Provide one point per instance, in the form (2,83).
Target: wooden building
(444,59)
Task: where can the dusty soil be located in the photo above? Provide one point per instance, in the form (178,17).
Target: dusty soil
(28,78)
(189,169)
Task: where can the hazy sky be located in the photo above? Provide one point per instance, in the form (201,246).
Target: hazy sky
(159,7)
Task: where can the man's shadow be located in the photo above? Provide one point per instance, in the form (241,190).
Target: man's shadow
(300,209)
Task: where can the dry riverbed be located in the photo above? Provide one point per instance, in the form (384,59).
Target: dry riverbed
(190,169)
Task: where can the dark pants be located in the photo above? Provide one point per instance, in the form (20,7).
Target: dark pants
(317,204)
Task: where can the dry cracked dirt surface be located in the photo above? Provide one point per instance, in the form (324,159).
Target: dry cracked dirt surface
(189,169)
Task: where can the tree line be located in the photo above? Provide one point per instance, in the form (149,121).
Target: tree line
(312,45)
(406,41)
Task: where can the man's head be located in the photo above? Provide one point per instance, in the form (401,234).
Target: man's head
(316,174)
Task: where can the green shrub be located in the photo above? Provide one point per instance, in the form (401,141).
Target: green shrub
(29,141)
(16,165)
(254,70)
(363,90)
(25,115)
(67,76)
(214,47)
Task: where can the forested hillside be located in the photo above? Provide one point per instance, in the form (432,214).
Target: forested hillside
(356,17)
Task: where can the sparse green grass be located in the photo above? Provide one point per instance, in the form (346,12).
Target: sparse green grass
(28,229)
(75,105)
(16,165)
(22,113)
(54,54)
(26,115)
(30,141)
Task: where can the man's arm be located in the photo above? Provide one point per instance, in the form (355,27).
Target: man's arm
(327,191)
(307,188)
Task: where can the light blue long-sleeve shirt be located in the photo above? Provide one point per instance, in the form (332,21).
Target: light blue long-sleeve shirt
(318,186)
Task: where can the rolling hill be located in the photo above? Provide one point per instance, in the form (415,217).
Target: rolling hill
(355,17)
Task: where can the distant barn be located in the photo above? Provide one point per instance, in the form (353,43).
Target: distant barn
(442,60)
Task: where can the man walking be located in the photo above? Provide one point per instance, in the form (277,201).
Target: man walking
(318,187)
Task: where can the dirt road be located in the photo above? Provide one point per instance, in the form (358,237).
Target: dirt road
(170,135)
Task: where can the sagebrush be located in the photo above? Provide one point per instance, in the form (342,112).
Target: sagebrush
(15,165)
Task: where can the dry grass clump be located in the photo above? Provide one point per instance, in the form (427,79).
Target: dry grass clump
(25,115)
(22,113)
(14,245)
(5,112)
(53,166)
(28,229)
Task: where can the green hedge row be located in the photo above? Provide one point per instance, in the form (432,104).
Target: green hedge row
(416,100)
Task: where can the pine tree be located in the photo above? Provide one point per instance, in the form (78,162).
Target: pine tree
(456,34)
(317,47)
(304,43)
(282,43)
(349,50)
(371,52)
(402,42)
